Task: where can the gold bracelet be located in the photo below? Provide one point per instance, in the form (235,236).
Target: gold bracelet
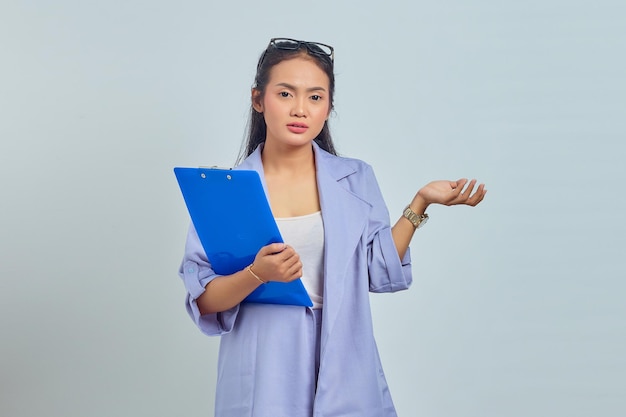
(249,268)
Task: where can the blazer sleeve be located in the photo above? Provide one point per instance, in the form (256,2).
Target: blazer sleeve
(196,272)
(387,272)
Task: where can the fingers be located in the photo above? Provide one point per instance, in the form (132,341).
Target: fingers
(465,195)
(278,262)
(293,271)
(460,183)
(469,197)
(478,196)
(455,196)
(463,192)
(288,265)
(272,248)
(458,186)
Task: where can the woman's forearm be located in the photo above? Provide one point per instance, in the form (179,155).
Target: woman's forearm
(403,230)
(226,292)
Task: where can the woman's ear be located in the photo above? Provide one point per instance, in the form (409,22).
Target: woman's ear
(257,103)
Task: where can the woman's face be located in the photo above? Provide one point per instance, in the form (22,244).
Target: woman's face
(296,103)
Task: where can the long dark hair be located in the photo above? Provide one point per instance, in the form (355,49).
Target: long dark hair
(273,55)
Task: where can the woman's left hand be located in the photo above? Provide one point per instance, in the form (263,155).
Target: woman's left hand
(450,193)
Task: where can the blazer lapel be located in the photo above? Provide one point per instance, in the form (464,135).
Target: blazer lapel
(345,218)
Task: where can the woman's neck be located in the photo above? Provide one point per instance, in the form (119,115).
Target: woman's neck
(277,160)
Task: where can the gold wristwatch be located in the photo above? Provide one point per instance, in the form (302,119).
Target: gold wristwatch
(418,220)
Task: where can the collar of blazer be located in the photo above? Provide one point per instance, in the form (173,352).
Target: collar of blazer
(327,165)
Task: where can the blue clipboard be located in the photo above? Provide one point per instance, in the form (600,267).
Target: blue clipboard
(234,221)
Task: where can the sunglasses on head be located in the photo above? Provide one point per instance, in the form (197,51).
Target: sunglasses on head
(287,44)
(294,44)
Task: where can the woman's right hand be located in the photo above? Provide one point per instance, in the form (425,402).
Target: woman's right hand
(277,262)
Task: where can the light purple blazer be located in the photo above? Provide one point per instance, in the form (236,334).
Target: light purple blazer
(266,347)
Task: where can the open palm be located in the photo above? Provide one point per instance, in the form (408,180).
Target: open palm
(450,193)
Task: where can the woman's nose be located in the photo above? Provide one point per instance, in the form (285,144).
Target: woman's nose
(298,108)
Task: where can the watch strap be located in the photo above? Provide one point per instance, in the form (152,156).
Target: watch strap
(417,220)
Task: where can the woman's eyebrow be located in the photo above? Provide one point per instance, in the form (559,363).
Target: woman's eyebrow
(291,87)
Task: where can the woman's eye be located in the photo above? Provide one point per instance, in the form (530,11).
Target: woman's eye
(316,97)
(284,94)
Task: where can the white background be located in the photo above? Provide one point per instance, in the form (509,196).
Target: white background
(517,308)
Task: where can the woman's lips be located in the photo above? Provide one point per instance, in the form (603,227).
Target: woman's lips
(297,127)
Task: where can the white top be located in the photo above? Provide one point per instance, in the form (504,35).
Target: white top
(306,235)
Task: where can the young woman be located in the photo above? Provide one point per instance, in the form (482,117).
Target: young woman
(291,361)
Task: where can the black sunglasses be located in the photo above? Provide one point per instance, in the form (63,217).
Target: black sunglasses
(287,44)
(294,44)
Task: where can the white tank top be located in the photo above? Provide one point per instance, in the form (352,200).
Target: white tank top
(306,235)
